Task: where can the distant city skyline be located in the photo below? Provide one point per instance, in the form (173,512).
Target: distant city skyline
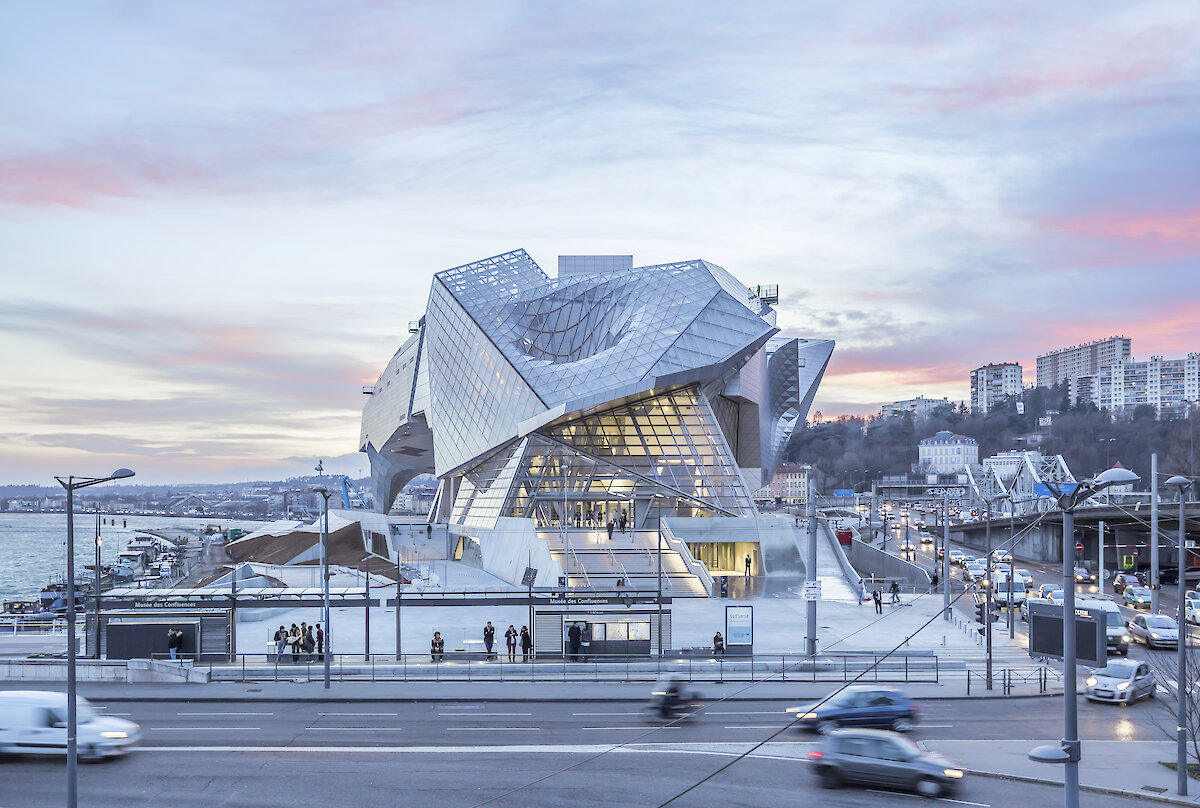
(218,220)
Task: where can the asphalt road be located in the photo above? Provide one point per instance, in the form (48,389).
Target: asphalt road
(462,754)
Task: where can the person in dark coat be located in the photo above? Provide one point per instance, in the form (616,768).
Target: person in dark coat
(319,636)
(510,642)
(624,521)
(610,529)
(747,565)
(437,647)
(933,582)
(174,640)
(585,639)
(489,639)
(526,643)
(718,645)
(877,596)
(895,591)
(574,635)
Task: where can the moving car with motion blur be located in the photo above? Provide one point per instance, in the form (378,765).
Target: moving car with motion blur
(883,759)
(1121,681)
(34,722)
(1045,590)
(1084,576)
(1155,630)
(1191,610)
(957,556)
(1124,579)
(859,706)
(1137,597)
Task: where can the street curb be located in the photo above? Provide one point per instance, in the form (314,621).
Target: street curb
(317,699)
(1116,792)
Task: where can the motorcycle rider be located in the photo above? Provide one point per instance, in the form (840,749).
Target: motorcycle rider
(671,697)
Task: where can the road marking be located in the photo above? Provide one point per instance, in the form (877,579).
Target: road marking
(492,729)
(722,749)
(351,729)
(390,714)
(757,726)
(744,712)
(939,799)
(489,715)
(216,713)
(211,729)
(647,726)
(933,726)
(637,713)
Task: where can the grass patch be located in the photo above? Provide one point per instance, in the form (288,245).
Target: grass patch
(1193,769)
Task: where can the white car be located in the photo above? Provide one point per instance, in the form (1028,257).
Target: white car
(1191,610)
(1121,681)
(1002,556)
(973,572)
(957,556)
(34,722)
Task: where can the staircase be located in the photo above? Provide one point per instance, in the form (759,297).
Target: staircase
(598,563)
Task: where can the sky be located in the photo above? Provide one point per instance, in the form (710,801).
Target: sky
(218,219)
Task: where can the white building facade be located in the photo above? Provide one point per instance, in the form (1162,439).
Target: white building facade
(994,383)
(1059,367)
(1168,385)
(920,407)
(947,453)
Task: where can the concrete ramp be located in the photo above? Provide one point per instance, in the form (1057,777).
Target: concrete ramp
(833,570)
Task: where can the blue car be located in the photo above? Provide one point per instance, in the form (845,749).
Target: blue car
(1137,596)
(861,706)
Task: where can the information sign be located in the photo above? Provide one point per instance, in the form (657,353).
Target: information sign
(739,625)
(812,590)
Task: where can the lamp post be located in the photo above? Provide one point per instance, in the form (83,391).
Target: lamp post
(1070,749)
(328,649)
(71,483)
(96,591)
(810,607)
(1181,484)
(1108,442)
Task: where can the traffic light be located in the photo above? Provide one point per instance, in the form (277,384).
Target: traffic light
(983,616)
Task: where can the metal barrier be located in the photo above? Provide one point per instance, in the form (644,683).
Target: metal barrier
(16,624)
(474,667)
(1012,679)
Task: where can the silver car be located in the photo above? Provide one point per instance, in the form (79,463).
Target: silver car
(882,758)
(1121,681)
(1155,630)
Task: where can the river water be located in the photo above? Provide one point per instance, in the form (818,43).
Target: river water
(33,546)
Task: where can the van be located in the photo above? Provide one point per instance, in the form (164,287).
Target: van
(34,722)
(1114,625)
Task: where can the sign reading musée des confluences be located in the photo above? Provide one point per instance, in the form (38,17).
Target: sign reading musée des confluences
(594,600)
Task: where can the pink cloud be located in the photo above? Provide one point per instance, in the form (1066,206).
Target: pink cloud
(59,178)
(1161,235)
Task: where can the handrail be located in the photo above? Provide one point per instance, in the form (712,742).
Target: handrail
(690,563)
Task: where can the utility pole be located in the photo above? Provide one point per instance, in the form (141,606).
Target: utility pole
(1154,538)
(946,556)
(811,606)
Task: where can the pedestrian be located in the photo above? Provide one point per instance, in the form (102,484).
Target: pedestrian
(610,529)
(526,643)
(294,640)
(862,591)
(174,639)
(489,638)
(895,591)
(437,647)
(877,596)
(585,640)
(308,644)
(718,645)
(319,636)
(624,521)
(933,581)
(510,640)
(747,565)
(280,642)
(574,634)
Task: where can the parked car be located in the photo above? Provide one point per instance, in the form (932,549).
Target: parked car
(1124,579)
(1156,630)
(1084,576)
(1121,681)
(1137,596)
(881,758)
(34,722)
(859,706)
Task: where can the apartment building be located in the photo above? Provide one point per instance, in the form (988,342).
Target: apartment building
(994,383)
(1058,367)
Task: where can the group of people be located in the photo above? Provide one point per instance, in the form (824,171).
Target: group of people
(579,641)
(877,595)
(512,638)
(300,640)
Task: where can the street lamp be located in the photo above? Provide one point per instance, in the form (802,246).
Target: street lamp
(1181,484)
(71,483)
(1069,751)
(1108,442)
(324,492)
(810,606)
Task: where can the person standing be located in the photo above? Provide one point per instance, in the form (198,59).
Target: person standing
(174,637)
(574,634)
(933,581)
(610,529)
(895,591)
(718,645)
(585,640)
(877,596)
(747,565)
(489,638)
(309,644)
(526,643)
(624,521)
(510,640)
(280,642)
(437,647)
(319,636)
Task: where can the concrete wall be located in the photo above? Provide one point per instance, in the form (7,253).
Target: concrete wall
(509,548)
(135,670)
(871,561)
